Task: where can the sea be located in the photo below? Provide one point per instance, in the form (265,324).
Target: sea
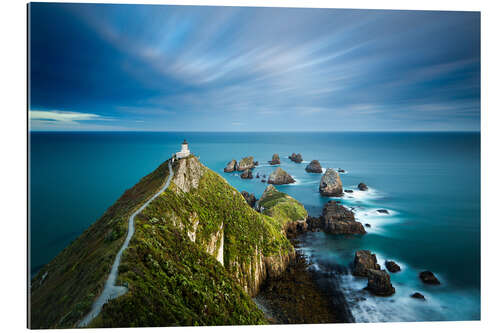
(429,183)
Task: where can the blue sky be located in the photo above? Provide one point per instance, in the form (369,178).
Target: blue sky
(183,68)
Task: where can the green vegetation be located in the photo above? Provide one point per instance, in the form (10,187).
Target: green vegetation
(282,207)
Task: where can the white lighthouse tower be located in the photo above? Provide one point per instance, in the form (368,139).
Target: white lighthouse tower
(184,150)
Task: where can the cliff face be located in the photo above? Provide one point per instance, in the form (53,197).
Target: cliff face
(198,252)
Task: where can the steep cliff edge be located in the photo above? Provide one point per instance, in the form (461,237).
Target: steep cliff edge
(198,252)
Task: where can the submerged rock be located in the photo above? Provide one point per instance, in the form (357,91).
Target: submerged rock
(340,170)
(279,177)
(339,220)
(314,167)
(368,225)
(362,187)
(245,163)
(275,160)
(428,277)
(383,211)
(297,158)
(364,260)
(348,191)
(379,283)
(418,295)
(247,174)
(330,184)
(262,180)
(231,166)
(392,266)
(249,198)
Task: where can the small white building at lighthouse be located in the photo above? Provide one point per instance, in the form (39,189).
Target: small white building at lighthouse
(184,150)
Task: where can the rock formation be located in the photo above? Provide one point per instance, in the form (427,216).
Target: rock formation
(249,198)
(428,277)
(339,220)
(392,266)
(314,167)
(379,283)
(231,166)
(247,174)
(362,187)
(297,158)
(275,160)
(245,163)
(330,184)
(364,260)
(418,295)
(279,177)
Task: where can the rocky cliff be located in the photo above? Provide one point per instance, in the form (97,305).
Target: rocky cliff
(198,253)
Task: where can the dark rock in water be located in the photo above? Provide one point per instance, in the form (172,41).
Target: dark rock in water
(364,260)
(279,177)
(418,295)
(341,170)
(258,176)
(247,174)
(256,163)
(297,158)
(245,163)
(383,211)
(231,166)
(348,191)
(250,198)
(379,283)
(262,180)
(314,167)
(314,223)
(263,175)
(428,277)
(339,220)
(330,184)
(392,266)
(362,187)
(275,160)
(368,225)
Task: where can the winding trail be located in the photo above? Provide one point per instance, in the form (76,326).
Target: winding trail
(111,290)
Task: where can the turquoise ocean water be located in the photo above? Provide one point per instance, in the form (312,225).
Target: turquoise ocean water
(429,182)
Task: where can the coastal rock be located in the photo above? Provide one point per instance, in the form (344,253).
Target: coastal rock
(231,166)
(279,177)
(364,260)
(368,225)
(297,158)
(362,187)
(379,283)
(339,220)
(262,180)
(258,176)
(383,211)
(275,160)
(340,170)
(330,184)
(348,191)
(249,198)
(418,295)
(247,174)
(315,223)
(314,167)
(392,266)
(245,163)
(428,277)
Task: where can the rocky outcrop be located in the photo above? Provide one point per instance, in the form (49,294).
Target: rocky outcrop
(231,166)
(362,187)
(330,184)
(280,177)
(379,283)
(275,160)
(392,266)
(315,223)
(247,174)
(249,198)
(364,261)
(339,220)
(428,277)
(188,172)
(418,295)
(297,158)
(314,167)
(245,163)
(348,191)
(383,211)
(339,170)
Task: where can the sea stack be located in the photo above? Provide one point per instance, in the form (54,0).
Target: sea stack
(247,174)
(339,220)
(246,163)
(297,158)
(364,260)
(330,184)
(275,160)
(280,177)
(231,166)
(362,187)
(314,167)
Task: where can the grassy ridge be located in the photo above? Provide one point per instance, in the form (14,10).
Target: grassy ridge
(282,207)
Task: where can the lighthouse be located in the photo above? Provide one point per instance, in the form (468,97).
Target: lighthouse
(184,150)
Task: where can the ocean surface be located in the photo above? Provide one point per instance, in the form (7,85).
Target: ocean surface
(428,182)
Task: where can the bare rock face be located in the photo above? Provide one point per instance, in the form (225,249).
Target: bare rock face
(392,266)
(247,174)
(428,277)
(314,167)
(330,184)
(231,166)
(249,198)
(275,160)
(364,260)
(245,163)
(362,187)
(339,220)
(188,172)
(297,158)
(279,177)
(379,283)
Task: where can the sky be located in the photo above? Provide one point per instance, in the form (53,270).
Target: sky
(95,67)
